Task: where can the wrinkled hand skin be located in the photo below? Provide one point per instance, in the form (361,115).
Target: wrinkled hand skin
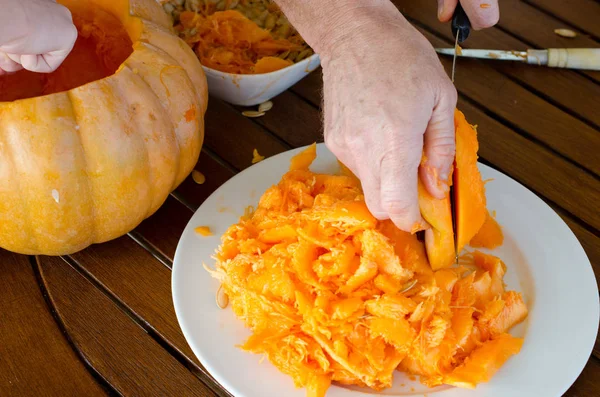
(388,100)
(36,35)
(482,13)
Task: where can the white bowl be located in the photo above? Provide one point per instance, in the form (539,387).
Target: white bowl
(254,89)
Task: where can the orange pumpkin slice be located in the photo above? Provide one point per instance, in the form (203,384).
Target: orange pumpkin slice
(484,361)
(489,236)
(468,186)
(439,239)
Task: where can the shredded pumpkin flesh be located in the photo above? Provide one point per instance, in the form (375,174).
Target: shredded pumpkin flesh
(230,42)
(331,294)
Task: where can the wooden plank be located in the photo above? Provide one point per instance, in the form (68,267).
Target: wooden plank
(526,111)
(233,136)
(37,359)
(310,88)
(293,120)
(121,351)
(536,167)
(164,228)
(588,383)
(140,282)
(193,194)
(539,29)
(583,14)
(570,90)
(537,32)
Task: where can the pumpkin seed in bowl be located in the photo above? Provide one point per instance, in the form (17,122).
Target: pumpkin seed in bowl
(238,36)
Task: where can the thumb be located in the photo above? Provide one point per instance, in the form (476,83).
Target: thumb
(439,145)
(446,9)
(482,15)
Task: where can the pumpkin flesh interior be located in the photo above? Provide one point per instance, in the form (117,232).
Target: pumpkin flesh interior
(332,294)
(102,45)
(468,186)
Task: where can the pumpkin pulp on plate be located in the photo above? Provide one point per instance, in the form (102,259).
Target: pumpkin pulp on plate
(331,294)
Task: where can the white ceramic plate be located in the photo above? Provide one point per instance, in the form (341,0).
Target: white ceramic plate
(544,259)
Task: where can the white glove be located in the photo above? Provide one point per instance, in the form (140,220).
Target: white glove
(36,35)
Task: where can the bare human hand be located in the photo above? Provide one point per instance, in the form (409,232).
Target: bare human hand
(388,103)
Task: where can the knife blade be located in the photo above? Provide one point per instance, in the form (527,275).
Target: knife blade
(461,28)
(569,58)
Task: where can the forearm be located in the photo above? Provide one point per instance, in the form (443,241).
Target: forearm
(326,23)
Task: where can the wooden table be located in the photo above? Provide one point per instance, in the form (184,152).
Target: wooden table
(101,322)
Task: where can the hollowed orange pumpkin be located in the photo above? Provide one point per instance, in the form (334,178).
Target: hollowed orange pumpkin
(117,127)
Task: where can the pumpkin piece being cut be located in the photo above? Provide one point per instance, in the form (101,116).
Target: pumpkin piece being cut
(469,192)
(439,239)
(484,361)
(489,236)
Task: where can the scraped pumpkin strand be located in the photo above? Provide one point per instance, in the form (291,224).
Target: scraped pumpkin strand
(331,294)
(230,42)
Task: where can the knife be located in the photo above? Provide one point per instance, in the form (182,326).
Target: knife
(569,58)
(461,28)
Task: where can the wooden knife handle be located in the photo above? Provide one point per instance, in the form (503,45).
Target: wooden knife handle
(569,58)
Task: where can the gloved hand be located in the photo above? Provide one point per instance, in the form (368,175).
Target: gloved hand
(481,13)
(36,35)
(388,100)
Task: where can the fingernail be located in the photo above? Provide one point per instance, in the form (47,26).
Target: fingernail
(440,8)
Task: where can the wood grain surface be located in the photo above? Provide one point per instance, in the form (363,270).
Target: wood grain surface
(102,322)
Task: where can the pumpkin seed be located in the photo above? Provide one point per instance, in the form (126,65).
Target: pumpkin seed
(252,113)
(270,21)
(406,287)
(265,106)
(292,56)
(284,54)
(198,177)
(220,6)
(258,22)
(263,15)
(222,298)
(283,30)
(303,54)
(179,2)
(192,5)
(565,33)
(169,8)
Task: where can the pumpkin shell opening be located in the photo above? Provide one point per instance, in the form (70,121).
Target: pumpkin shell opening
(102,45)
